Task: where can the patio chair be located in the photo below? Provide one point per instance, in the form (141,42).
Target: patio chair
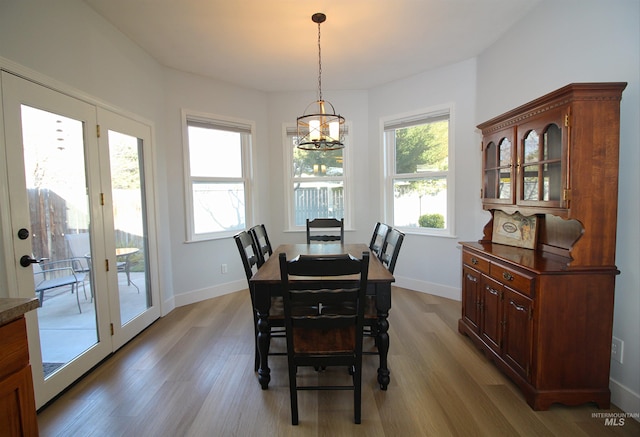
(56,274)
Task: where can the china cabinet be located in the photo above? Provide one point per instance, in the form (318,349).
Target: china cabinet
(544,315)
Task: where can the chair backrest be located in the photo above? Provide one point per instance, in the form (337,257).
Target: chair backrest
(391,249)
(261,238)
(323,317)
(248,252)
(80,249)
(377,240)
(325,224)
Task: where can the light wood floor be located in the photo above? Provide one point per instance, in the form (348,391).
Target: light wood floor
(191,374)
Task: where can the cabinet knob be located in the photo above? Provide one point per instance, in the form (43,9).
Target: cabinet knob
(507,276)
(474,261)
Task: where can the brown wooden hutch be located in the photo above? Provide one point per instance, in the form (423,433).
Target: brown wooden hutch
(544,314)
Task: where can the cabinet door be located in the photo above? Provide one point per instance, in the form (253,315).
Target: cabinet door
(471,297)
(541,165)
(491,326)
(17,405)
(518,332)
(498,184)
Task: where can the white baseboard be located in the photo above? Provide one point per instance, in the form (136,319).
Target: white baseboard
(429,288)
(625,399)
(207,293)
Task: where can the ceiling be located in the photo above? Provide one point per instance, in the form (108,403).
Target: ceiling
(271,45)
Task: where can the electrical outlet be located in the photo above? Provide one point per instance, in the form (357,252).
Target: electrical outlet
(223,269)
(617,349)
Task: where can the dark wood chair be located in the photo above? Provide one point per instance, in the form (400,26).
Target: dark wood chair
(260,236)
(249,255)
(324,320)
(378,238)
(391,249)
(324,225)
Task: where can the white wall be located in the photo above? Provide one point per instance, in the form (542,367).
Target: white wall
(196,266)
(566,41)
(426,263)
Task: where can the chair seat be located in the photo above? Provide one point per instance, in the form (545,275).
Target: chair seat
(48,284)
(324,341)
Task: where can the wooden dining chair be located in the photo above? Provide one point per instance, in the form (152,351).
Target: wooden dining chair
(249,255)
(260,236)
(378,238)
(391,249)
(388,256)
(324,320)
(325,225)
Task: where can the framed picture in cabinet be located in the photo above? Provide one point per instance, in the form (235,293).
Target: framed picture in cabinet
(515,229)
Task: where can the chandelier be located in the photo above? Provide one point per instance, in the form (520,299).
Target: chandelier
(320,128)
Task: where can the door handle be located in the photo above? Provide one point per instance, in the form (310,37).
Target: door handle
(26,261)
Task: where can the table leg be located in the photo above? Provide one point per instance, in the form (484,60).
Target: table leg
(262,302)
(264,339)
(382,341)
(383,305)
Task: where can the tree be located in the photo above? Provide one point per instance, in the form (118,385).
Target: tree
(422,148)
(304,161)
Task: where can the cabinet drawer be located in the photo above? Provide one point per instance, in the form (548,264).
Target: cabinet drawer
(13,344)
(512,278)
(476,262)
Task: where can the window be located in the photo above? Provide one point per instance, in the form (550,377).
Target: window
(217,161)
(418,178)
(316,182)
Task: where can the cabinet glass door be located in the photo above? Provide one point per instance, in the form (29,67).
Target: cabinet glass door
(498,184)
(540,176)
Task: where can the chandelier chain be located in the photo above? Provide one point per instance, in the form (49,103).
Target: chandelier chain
(319,67)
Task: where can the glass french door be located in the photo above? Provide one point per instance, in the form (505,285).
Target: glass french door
(80,237)
(123,145)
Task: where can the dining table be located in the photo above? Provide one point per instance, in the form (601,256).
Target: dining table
(266,283)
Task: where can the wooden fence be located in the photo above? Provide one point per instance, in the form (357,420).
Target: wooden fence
(318,202)
(50,223)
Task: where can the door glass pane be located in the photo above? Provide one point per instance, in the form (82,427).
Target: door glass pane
(531,147)
(504,185)
(60,225)
(491,173)
(553,142)
(505,153)
(552,180)
(553,170)
(530,182)
(129,217)
(491,156)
